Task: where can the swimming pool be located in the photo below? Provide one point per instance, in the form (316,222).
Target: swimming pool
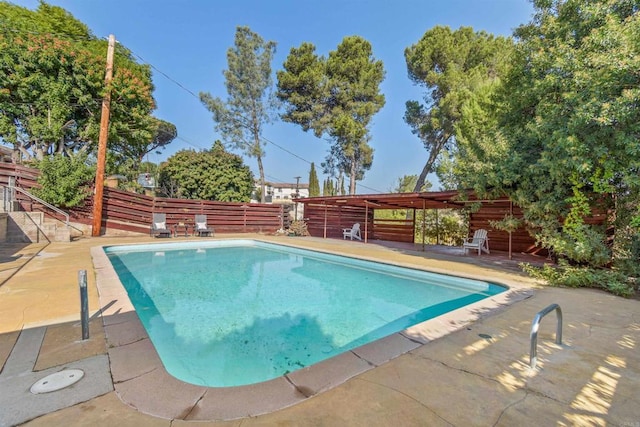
(227,313)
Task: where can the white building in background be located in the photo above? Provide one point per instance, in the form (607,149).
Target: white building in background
(283,193)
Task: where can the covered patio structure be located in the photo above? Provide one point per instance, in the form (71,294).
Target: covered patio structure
(328,216)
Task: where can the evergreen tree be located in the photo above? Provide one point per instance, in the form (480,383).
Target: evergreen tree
(330,189)
(452,66)
(335,96)
(314,184)
(248,81)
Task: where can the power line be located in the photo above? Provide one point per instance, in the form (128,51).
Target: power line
(271,178)
(190,143)
(369,188)
(234,119)
(172,80)
(285,150)
(238,121)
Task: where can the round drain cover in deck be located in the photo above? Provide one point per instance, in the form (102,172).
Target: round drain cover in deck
(57,381)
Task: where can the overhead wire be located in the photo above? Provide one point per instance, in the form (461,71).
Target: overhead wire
(175,82)
(235,119)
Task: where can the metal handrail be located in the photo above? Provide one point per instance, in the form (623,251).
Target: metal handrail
(39,200)
(533,355)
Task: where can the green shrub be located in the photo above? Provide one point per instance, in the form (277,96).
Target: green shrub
(64,181)
(613,281)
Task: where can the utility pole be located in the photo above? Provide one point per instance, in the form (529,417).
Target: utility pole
(297,195)
(102,141)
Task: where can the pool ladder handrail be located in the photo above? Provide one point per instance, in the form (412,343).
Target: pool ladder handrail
(533,355)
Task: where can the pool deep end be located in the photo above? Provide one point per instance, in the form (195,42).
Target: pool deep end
(257,311)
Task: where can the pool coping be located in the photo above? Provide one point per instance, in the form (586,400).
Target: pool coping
(140,380)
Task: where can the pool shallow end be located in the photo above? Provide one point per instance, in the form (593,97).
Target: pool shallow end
(141,381)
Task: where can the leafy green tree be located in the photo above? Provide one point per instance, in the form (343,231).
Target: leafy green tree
(163,134)
(446,173)
(407,184)
(64,181)
(452,66)
(248,81)
(570,123)
(52,83)
(207,175)
(335,96)
(314,184)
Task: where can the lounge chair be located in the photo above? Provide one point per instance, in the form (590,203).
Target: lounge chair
(479,241)
(201,228)
(353,232)
(159,226)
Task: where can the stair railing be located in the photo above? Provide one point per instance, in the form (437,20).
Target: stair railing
(9,197)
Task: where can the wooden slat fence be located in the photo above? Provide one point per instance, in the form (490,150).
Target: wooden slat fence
(521,241)
(336,218)
(395,230)
(133,212)
(23,176)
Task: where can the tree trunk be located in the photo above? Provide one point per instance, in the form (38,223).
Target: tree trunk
(423,176)
(352,177)
(261,169)
(428,167)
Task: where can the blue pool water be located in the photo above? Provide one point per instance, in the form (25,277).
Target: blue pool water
(235,312)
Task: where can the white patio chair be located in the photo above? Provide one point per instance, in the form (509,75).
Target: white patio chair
(479,241)
(352,233)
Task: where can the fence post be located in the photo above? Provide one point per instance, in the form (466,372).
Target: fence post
(244,218)
(84,303)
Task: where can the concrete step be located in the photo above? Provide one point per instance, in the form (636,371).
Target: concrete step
(34,227)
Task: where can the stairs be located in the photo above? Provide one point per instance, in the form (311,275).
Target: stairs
(34,227)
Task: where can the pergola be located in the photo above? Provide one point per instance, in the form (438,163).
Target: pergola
(418,200)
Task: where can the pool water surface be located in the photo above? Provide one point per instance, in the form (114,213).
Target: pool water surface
(235,312)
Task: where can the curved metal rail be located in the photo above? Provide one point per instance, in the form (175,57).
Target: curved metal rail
(533,355)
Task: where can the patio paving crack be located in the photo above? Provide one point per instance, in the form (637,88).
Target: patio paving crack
(135,377)
(466,371)
(187,413)
(368,362)
(304,391)
(524,388)
(412,339)
(517,402)
(422,404)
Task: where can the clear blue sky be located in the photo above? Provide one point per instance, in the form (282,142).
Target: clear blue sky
(187,40)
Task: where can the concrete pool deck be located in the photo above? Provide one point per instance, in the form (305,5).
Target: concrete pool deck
(474,369)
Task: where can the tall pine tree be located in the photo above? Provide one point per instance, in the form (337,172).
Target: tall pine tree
(248,81)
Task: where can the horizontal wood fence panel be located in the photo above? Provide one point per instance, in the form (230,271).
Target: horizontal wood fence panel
(396,231)
(334,219)
(521,241)
(133,212)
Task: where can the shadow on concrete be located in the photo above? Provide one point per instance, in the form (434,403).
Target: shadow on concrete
(14,256)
